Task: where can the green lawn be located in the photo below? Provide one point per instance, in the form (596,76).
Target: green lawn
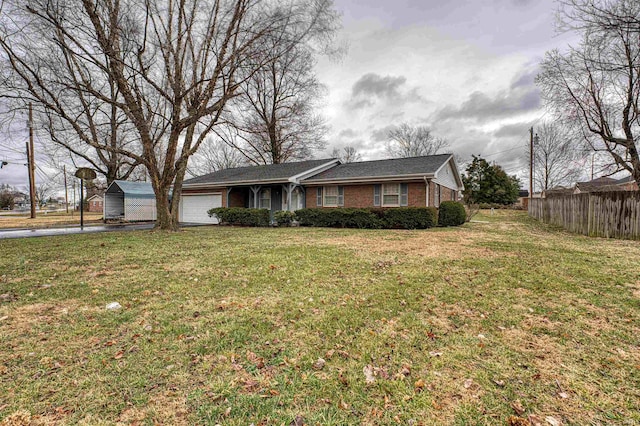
(468,325)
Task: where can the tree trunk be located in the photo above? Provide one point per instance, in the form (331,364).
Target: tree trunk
(164,220)
(181,169)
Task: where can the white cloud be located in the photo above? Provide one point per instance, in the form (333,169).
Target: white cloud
(465,69)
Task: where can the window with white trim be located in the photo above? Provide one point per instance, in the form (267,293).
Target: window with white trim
(390,195)
(265,199)
(296,199)
(330,196)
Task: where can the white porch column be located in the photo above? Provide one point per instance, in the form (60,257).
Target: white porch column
(256,192)
(292,186)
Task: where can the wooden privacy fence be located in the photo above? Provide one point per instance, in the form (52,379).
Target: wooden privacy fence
(614,214)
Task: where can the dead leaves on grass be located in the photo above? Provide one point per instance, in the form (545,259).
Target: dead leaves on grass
(531,420)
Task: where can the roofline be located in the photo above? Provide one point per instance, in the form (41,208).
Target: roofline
(368,179)
(314,171)
(116,182)
(95,195)
(235,182)
(300,177)
(456,170)
(291,179)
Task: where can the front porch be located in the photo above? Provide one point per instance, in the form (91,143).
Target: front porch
(275,197)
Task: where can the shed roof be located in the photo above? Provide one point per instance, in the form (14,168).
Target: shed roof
(270,172)
(139,189)
(426,165)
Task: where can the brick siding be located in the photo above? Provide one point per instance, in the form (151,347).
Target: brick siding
(361,196)
(445,193)
(98,207)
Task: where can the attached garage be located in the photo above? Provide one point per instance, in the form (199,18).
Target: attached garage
(194,207)
(130,201)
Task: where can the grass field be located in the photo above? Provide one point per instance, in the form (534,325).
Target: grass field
(490,323)
(47,220)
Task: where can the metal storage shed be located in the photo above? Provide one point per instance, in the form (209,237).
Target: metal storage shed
(130,201)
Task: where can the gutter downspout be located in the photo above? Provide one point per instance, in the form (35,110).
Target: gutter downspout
(426,182)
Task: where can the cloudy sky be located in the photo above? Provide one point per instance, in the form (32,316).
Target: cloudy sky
(465,68)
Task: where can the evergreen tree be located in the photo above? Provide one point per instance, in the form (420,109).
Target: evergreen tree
(486,183)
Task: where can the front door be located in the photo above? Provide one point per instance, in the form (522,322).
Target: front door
(276,199)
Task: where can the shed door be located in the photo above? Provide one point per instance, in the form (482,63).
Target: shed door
(194,208)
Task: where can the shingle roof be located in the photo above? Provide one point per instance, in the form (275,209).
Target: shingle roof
(624,180)
(268,172)
(606,188)
(558,190)
(600,184)
(383,168)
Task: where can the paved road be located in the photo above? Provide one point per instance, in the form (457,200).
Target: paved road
(25,233)
(28,212)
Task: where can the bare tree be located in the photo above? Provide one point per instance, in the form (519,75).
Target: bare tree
(105,125)
(44,190)
(595,86)
(406,140)
(274,121)
(214,155)
(555,157)
(95,120)
(348,154)
(175,67)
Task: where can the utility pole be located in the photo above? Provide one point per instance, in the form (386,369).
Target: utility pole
(66,195)
(81,203)
(530,164)
(593,157)
(31,165)
(74,198)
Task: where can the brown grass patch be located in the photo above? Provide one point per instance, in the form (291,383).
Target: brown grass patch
(47,220)
(163,409)
(23,318)
(454,244)
(25,418)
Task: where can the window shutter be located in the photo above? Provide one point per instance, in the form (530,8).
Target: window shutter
(404,194)
(341,196)
(319,197)
(376,195)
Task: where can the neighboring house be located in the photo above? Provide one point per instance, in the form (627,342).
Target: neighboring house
(627,184)
(558,190)
(415,182)
(594,185)
(523,199)
(601,184)
(606,184)
(20,200)
(95,203)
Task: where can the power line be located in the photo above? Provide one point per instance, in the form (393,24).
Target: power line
(522,142)
(501,152)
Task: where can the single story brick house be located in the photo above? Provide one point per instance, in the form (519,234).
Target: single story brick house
(95,203)
(413,182)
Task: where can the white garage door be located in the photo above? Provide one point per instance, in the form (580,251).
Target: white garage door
(194,208)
